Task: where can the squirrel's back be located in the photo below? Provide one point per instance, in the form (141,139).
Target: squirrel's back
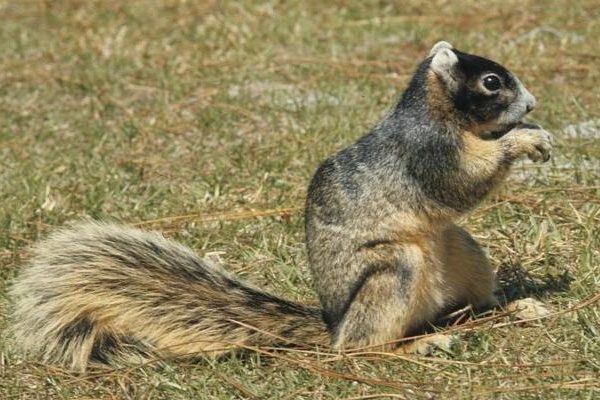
(107,293)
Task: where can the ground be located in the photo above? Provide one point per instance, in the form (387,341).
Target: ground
(205,120)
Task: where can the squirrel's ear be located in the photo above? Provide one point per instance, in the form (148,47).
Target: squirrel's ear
(438,46)
(443,64)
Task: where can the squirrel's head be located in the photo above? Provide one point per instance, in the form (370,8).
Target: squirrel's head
(482,93)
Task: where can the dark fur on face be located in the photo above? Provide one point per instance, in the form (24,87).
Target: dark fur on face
(472,99)
(478,94)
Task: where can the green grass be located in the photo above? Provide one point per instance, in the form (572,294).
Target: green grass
(141,111)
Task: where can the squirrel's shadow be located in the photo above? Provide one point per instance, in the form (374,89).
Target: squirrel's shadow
(513,282)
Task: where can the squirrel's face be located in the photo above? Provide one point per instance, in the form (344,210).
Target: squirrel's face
(483,92)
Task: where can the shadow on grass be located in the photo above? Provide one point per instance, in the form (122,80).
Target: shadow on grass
(515,282)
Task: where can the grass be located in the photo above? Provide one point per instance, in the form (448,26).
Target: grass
(206,119)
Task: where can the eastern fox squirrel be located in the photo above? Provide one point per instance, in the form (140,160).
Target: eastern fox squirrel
(384,252)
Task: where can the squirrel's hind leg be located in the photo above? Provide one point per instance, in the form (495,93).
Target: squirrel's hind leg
(468,275)
(376,313)
(394,296)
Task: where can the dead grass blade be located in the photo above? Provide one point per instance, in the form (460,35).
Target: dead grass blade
(284,212)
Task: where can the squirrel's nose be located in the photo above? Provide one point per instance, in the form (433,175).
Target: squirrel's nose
(530,102)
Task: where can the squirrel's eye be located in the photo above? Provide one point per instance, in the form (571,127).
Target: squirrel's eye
(492,83)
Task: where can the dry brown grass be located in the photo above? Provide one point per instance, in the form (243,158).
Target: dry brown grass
(206,119)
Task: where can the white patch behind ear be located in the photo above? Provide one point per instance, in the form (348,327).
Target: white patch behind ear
(439,46)
(443,64)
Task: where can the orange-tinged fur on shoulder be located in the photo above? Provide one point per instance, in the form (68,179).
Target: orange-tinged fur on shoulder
(440,105)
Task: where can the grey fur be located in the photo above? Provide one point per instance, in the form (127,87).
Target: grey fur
(439,46)
(401,186)
(520,106)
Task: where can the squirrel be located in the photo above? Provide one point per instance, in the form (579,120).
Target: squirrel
(385,254)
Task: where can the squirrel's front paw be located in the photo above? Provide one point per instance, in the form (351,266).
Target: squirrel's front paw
(541,145)
(535,142)
(429,343)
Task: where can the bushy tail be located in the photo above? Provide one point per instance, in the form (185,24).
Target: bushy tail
(99,292)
